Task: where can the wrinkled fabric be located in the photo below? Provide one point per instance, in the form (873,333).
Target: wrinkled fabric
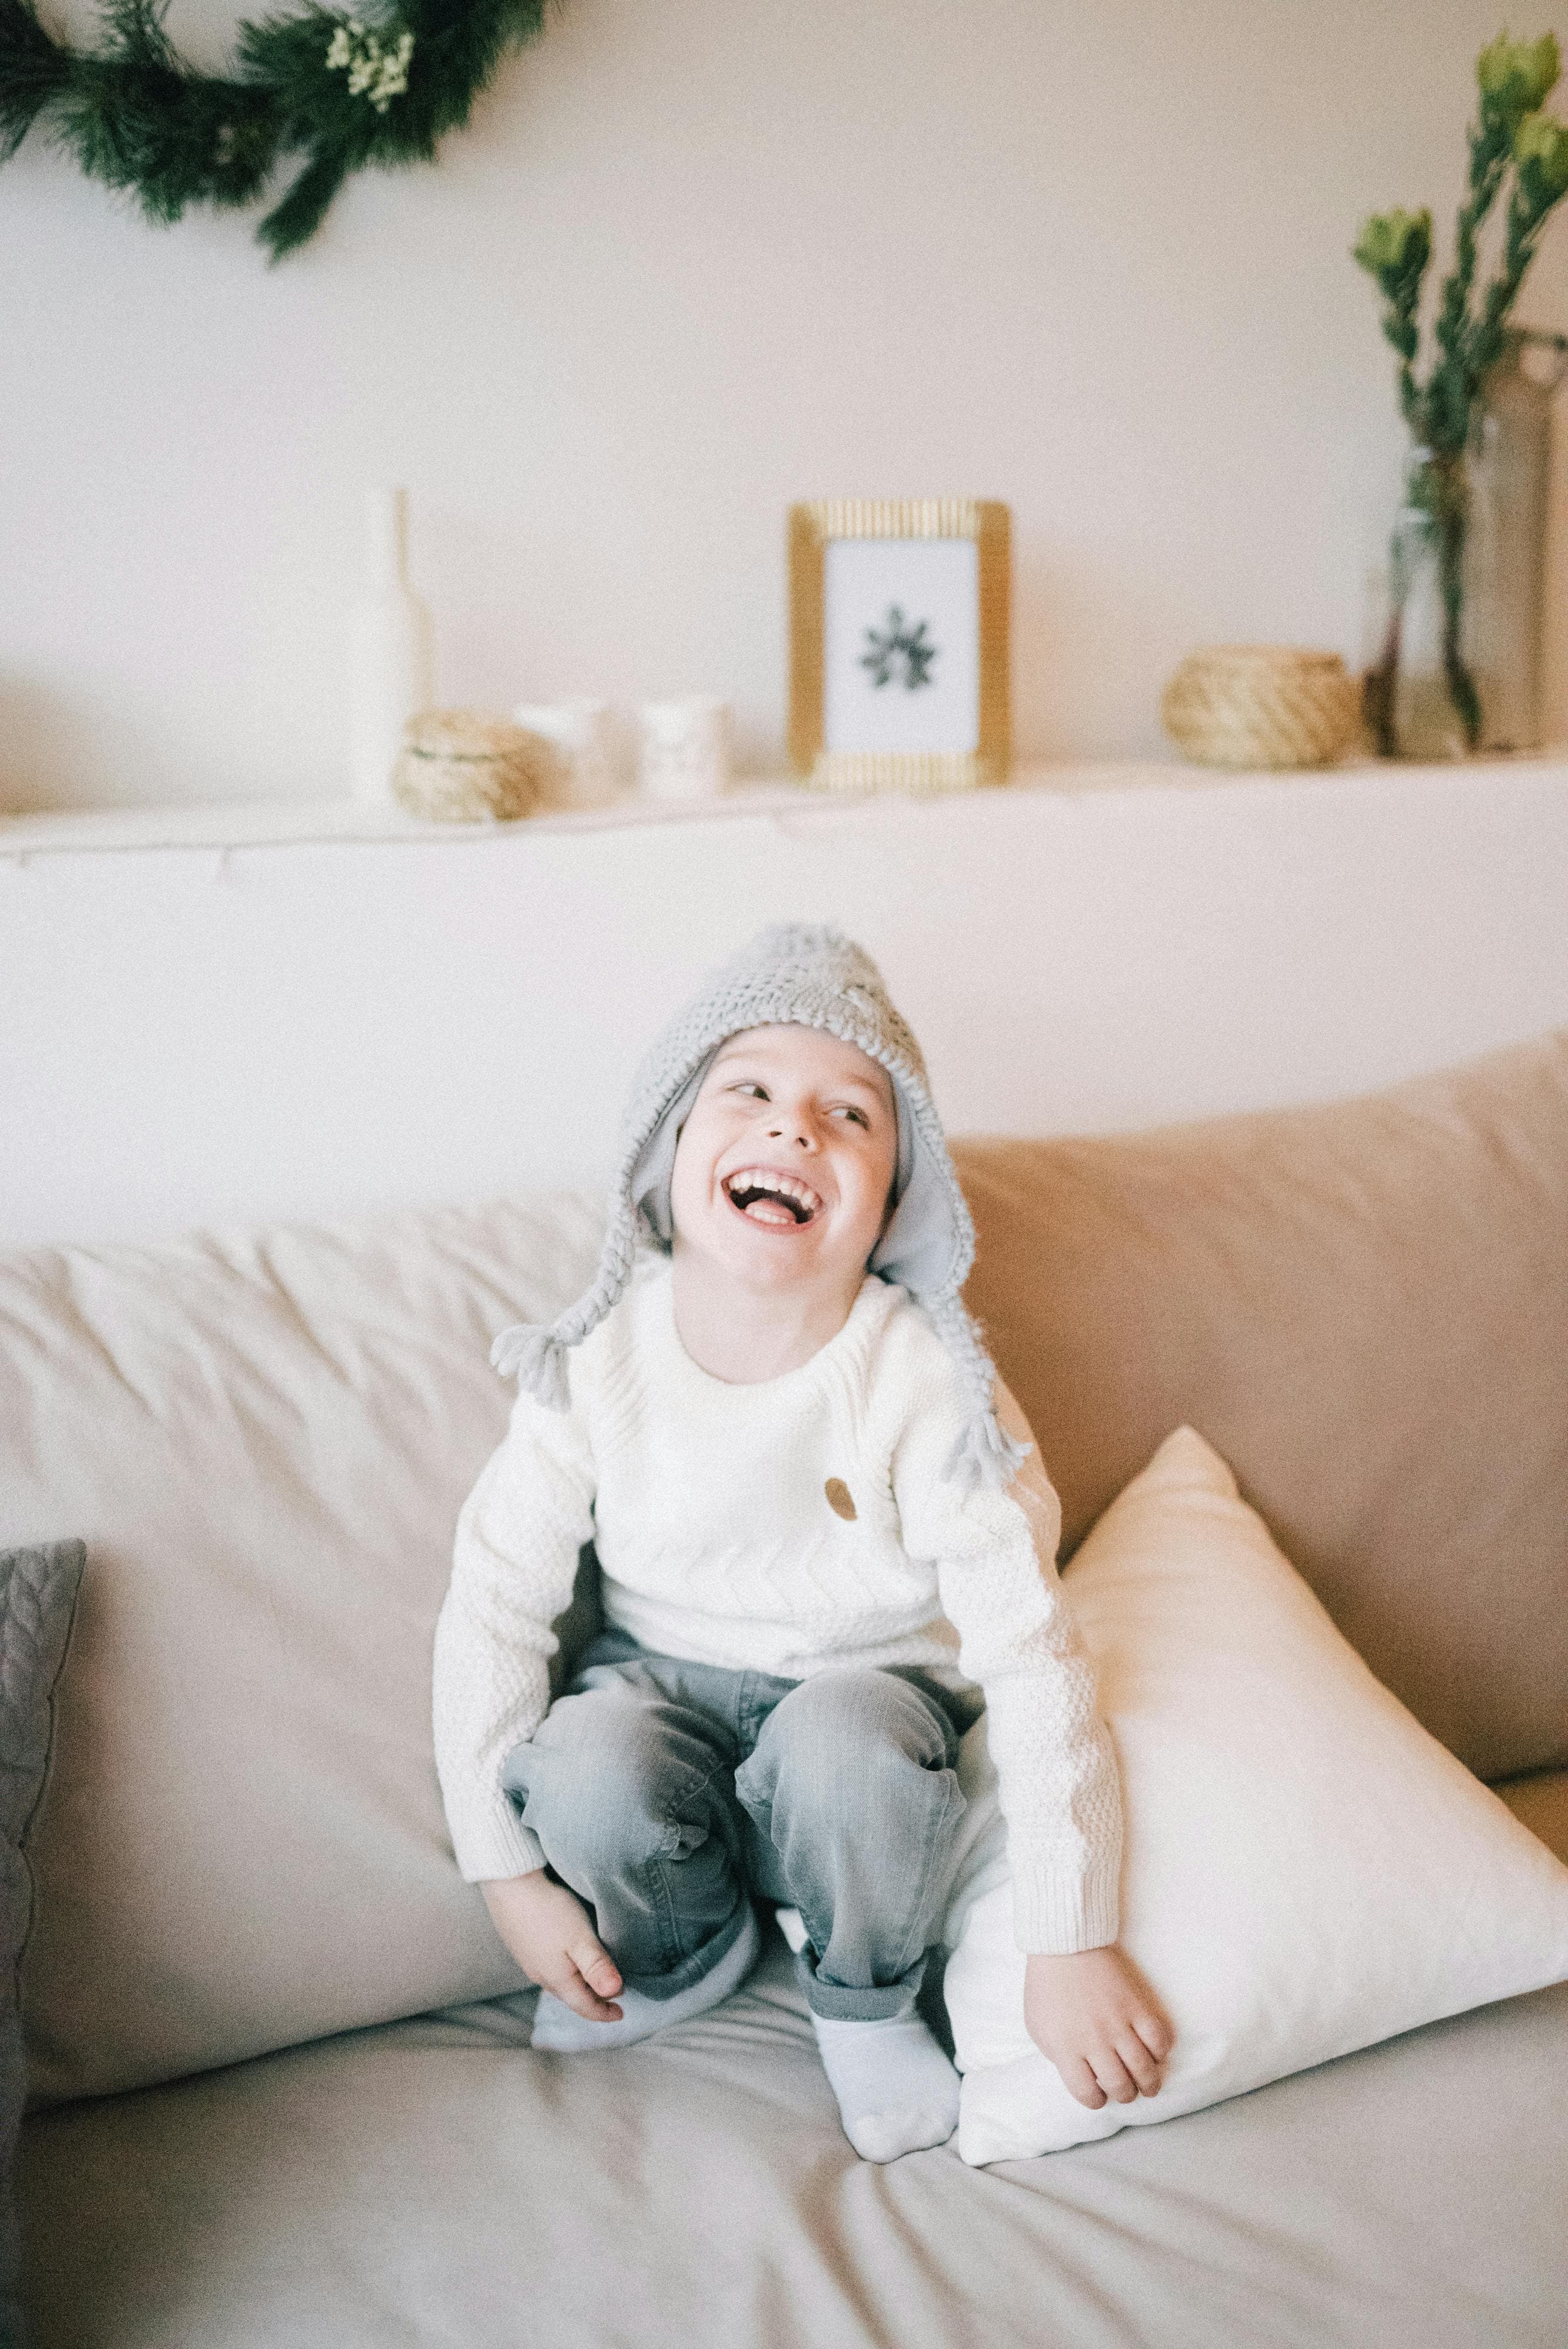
(438,2186)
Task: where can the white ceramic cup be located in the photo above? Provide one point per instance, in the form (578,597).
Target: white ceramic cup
(584,735)
(685,748)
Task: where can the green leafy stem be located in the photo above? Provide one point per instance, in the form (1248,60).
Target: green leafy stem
(1511,135)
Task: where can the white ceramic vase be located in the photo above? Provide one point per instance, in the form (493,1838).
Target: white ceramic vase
(392,668)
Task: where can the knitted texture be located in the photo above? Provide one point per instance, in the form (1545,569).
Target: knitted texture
(791,975)
(799,1526)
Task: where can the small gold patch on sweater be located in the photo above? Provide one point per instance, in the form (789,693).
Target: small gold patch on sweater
(840,1500)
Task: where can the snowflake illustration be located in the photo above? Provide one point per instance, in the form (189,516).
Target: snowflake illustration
(897,649)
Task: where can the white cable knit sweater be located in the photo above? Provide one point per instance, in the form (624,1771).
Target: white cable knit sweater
(725,1534)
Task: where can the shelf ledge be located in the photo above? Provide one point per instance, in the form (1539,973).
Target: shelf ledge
(226,824)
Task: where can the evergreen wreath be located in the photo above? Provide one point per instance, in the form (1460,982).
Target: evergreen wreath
(337,90)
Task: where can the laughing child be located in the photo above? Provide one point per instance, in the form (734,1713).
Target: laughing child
(825,1543)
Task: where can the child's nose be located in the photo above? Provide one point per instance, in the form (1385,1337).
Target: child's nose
(796,1129)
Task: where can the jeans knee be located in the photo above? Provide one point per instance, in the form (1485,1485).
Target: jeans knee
(845,1751)
(598,1785)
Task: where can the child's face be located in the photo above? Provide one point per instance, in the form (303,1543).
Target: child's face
(812,1121)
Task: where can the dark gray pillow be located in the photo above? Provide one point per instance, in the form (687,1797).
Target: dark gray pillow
(37,1598)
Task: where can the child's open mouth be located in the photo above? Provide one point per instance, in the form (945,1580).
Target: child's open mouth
(777,1200)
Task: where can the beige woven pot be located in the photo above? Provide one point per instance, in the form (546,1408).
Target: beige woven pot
(1261,706)
(457,767)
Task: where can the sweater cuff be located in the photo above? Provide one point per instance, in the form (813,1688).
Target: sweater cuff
(1057,1916)
(497,1846)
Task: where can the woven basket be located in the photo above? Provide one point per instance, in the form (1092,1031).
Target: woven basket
(1261,706)
(456,766)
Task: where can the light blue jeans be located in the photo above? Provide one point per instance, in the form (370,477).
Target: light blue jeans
(665,1793)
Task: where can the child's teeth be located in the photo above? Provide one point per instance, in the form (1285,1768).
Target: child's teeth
(771,1199)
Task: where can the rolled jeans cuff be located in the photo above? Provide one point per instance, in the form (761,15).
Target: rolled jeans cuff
(713,1952)
(874,2002)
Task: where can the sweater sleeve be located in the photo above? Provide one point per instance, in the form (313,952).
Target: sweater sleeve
(994,1554)
(513,1567)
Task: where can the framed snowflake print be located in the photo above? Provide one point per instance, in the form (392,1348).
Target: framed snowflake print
(899,643)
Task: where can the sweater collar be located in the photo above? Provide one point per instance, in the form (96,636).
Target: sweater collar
(873,1301)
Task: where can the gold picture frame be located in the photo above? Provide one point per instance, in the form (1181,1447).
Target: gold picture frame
(845,732)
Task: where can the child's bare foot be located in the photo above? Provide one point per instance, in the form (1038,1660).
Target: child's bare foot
(1096,2017)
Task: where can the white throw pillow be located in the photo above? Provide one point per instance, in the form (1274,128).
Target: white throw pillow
(1306,1870)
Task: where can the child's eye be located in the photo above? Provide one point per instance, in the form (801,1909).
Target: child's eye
(857,1114)
(749,1085)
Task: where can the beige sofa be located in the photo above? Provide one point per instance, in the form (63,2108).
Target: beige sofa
(282,2089)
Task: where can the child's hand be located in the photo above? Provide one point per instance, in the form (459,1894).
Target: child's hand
(1097,2020)
(547,1929)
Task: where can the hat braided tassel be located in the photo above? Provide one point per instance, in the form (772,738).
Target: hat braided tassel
(536,1358)
(984,1454)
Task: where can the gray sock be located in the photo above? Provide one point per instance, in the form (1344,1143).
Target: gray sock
(897,2091)
(559,2030)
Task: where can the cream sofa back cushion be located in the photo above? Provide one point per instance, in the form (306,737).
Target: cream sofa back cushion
(265,1441)
(1365,1308)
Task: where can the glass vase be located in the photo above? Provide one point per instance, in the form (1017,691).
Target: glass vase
(1455,661)
(1421,700)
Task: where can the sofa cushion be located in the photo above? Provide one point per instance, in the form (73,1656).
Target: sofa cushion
(1540,1802)
(265,1441)
(1362,1307)
(37,1600)
(1306,1870)
(431,2185)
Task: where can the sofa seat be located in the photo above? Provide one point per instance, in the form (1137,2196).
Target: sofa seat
(434,2183)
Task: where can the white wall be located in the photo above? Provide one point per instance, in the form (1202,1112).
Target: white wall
(193,1038)
(693,258)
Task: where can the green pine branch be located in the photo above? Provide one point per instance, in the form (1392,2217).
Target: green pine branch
(33,72)
(331,91)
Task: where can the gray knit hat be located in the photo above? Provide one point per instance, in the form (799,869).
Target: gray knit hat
(793,975)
